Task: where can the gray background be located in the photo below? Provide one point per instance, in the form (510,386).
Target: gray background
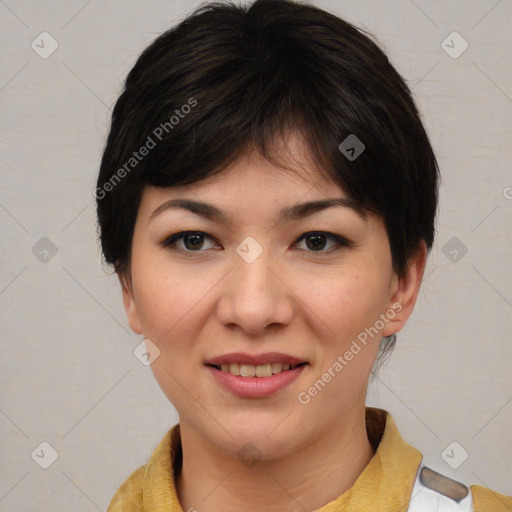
(68,373)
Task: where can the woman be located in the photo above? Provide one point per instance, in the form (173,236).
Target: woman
(267,197)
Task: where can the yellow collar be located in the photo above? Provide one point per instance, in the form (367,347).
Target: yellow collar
(385,484)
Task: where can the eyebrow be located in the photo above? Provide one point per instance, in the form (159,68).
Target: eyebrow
(287,214)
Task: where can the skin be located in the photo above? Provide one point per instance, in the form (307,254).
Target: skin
(306,302)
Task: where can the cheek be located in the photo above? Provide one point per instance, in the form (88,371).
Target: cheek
(173,308)
(167,298)
(169,304)
(345,301)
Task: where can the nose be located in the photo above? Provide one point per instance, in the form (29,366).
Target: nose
(255,295)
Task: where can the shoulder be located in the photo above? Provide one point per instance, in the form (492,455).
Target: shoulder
(435,492)
(151,486)
(487,500)
(128,498)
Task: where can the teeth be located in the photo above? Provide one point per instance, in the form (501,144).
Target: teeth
(247,370)
(277,367)
(250,370)
(264,370)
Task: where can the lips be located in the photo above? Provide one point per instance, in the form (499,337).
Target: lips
(255,375)
(255,381)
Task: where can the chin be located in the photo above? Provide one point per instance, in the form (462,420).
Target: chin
(266,443)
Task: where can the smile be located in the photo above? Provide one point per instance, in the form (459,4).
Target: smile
(261,370)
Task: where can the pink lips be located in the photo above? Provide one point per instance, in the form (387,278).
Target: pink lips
(255,387)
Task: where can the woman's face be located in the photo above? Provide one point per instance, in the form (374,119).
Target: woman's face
(252,284)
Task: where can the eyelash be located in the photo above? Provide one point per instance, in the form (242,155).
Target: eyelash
(339,240)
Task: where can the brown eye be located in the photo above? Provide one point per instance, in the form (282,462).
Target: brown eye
(193,241)
(316,241)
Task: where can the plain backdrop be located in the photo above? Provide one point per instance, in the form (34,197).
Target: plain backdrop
(68,374)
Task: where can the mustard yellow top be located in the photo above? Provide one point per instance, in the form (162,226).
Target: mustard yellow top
(385,484)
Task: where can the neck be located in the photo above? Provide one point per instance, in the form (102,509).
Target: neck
(306,479)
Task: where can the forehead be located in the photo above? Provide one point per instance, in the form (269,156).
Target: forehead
(289,175)
(251,187)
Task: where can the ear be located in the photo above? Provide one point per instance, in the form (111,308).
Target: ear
(405,291)
(130,305)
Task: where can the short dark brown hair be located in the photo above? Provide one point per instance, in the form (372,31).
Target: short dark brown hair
(231,77)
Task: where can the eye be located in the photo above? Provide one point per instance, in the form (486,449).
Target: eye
(193,241)
(315,240)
